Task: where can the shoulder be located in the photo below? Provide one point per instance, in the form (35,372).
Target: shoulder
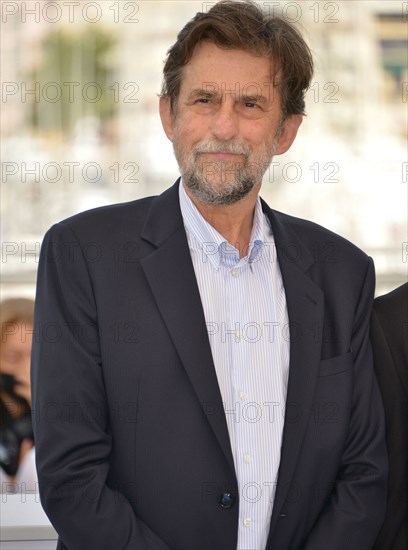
(124,221)
(395,303)
(391,312)
(105,222)
(389,329)
(311,233)
(120,213)
(322,248)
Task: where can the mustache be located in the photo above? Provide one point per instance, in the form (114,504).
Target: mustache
(218,146)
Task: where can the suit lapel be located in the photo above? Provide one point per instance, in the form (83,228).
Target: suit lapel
(170,273)
(305,303)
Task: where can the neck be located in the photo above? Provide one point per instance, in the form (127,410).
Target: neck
(233,221)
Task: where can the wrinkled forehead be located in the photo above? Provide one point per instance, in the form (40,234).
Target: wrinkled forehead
(225,71)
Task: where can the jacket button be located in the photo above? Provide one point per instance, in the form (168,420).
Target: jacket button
(226,500)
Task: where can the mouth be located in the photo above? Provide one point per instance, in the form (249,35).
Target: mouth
(223,155)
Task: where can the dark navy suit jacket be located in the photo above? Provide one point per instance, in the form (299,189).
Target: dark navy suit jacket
(389,334)
(131,439)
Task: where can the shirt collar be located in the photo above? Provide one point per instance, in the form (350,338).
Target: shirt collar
(213,247)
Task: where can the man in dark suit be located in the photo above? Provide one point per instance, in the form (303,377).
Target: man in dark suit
(203,377)
(389,335)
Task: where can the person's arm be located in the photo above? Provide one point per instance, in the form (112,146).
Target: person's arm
(387,337)
(355,510)
(70,416)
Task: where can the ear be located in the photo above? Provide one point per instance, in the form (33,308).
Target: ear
(288,133)
(166,116)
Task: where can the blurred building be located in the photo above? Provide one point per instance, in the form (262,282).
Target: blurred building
(80,125)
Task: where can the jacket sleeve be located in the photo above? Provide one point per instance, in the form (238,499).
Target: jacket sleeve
(353,514)
(70,416)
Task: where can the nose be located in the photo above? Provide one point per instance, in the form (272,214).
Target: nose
(225,124)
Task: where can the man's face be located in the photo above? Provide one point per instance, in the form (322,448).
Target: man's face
(227,124)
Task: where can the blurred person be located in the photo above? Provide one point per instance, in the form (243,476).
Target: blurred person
(16,434)
(389,336)
(212,379)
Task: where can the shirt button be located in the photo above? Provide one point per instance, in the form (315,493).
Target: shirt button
(247,459)
(238,334)
(242,395)
(248,522)
(235,272)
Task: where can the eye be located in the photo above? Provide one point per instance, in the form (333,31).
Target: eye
(203,100)
(250,104)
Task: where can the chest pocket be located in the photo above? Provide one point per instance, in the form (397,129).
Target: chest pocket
(336,365)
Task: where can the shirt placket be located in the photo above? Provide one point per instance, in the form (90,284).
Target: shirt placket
(238,412)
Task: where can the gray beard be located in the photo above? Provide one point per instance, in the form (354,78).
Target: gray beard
(236,182)
(197,183)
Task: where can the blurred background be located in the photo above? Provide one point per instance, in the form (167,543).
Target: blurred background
(80,125)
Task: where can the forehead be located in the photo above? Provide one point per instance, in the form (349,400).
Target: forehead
(231,69)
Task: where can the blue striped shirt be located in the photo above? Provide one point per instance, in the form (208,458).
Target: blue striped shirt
(247,323)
